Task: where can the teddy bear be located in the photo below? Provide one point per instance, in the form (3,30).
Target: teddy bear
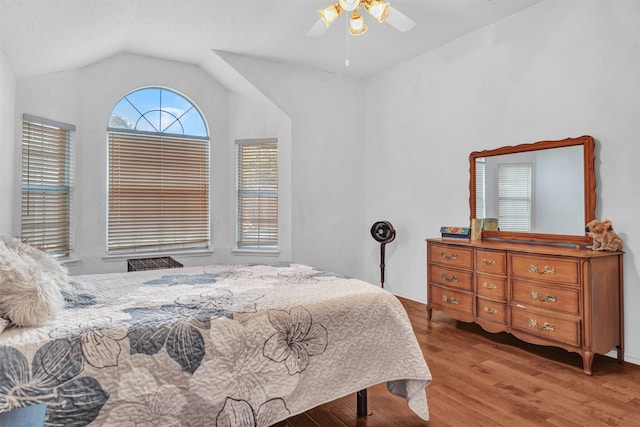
(604,237)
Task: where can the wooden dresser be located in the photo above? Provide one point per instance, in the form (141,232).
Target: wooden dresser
(550,295)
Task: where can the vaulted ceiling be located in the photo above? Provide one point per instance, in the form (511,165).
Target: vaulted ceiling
(47,36)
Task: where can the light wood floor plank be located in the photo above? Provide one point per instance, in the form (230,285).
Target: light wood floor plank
(494,380)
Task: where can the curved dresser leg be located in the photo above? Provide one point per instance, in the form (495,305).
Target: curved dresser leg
(429,312)
(587,361)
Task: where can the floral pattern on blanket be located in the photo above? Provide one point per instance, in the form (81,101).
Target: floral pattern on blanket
(143,400)
(98,340)
(297,338)
(183,279)
(173,327)
(54,379)
(216,345)
(239,413)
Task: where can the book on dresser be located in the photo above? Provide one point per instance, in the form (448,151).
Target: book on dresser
(568,297)
(463,233)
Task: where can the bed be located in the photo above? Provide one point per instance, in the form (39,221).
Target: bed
(218,345)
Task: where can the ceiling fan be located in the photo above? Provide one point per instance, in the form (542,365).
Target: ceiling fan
(379,9)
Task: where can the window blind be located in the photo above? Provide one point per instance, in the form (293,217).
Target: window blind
(480,186)
(158,192)
(257,187)
(514,196)
(46,185)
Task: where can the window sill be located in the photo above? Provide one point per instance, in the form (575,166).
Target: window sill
(256,252)
(175,254)
(68,261)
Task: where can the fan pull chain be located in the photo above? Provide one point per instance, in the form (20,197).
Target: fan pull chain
(346,62)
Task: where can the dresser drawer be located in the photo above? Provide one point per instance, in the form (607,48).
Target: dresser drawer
(491,262)
(546,326)
(539,295)
(451,300)
(452,278)
(545,268)
(492,311)
(451,255)
(492,286)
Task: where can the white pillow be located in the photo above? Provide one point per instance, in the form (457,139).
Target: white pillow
(4,323)
(31,284)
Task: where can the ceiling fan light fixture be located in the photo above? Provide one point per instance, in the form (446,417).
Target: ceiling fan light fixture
(378,9)
(349,5)
(357,26)
(330,14)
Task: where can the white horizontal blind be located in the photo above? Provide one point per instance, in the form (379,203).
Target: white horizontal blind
(158,192)
(257,194)
(480,194)
(514,196)
(46,185)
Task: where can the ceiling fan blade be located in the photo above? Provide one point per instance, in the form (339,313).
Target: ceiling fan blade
(318,29)
(399,20)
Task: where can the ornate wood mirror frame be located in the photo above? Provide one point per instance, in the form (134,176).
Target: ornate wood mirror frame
(589,183)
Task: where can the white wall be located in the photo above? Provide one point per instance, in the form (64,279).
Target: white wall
(315,116)
(327,169)
(248,120)
(559,202)
(557,69)
(85,98)
(7,129)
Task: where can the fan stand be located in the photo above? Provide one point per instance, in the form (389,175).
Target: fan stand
(382,245)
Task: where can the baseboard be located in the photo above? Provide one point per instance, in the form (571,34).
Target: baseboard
(411,299)
(627,358)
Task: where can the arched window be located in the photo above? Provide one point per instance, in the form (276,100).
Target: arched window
(158,173)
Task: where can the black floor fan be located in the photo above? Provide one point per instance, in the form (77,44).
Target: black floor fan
(383,232)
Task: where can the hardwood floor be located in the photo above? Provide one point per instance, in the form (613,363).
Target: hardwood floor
(482,379)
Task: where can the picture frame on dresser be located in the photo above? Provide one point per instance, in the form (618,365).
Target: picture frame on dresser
(543,288)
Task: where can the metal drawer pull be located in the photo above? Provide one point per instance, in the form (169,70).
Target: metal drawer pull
(547,269)
(490,310)
(445,256)
(489,261)
(450,300)
(546,326)
(447,279)
(489,286)
(547,298)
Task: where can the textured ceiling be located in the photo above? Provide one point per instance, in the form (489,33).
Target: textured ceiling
(45,36)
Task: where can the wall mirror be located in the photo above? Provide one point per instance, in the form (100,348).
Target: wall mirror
(540,192)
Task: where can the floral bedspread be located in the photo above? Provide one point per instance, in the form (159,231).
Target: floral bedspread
(220,345)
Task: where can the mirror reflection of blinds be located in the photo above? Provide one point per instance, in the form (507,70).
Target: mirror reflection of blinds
(480,188)
(257,190)
(46,184)
(514,196)
(158,192)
